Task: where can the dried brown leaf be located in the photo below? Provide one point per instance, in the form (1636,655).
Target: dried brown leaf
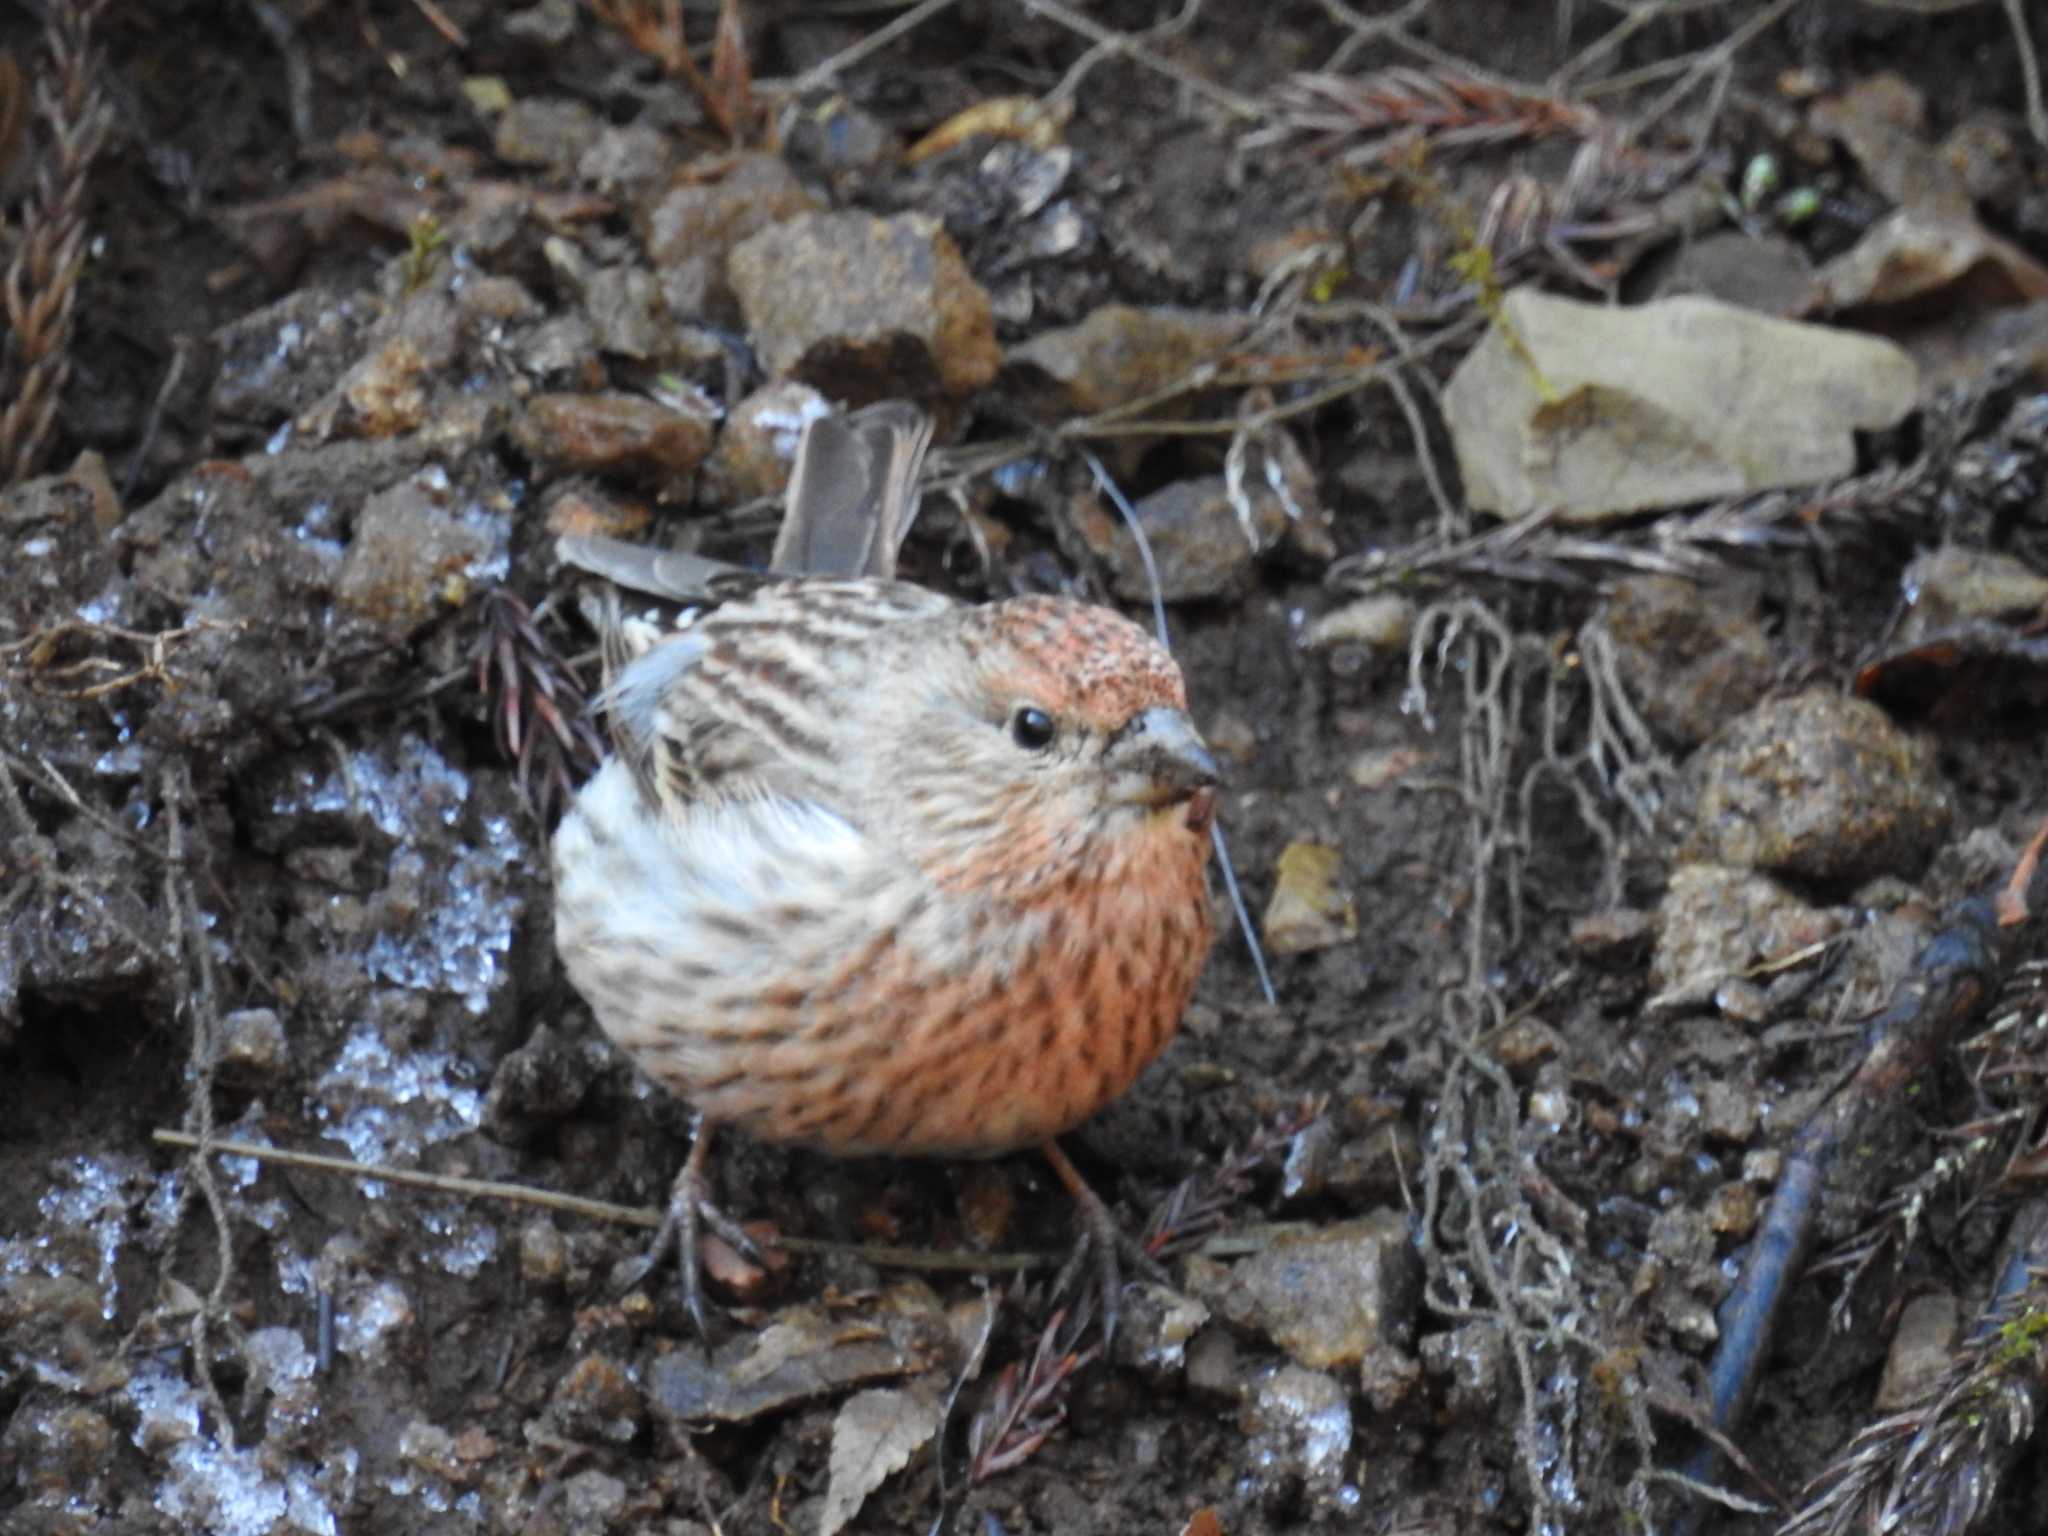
(873,1438)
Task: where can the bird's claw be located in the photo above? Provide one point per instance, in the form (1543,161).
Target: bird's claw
(690,1211)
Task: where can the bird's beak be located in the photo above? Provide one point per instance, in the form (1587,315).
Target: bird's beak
(1160,759)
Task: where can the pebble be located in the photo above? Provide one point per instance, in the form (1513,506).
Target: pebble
(1819,787)
(1691,657)
(1330,1297)
(613,434)
(865,307)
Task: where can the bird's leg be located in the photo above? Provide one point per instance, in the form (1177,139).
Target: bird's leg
(690,1209)
(1099,1228)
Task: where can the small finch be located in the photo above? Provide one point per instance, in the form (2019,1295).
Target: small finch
(872,871)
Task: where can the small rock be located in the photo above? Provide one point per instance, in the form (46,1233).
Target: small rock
(1117,354)
(592,1501)
(988,1204)
(56,1452)
(278,360)
(384,395)
(1691,1320)
(1157,1325)
(1768,274)
(562,351)
(1692,657)
(691,231)
(1732,1211)
(1744,1002)
(1952,585)
(1525,1044)
(583,509)
(1819,787)
(1382,622)
(252,1047)
(1679,1237)
(1214,1370)
(1198,539)
(413,556)
(1921,1351)
(1728,1113)
(552,135)
(1305,1170)
(549,24)
(543,1255)
(1383,769)
(1331,1297)
(1310,908)
(431,1449)
(865,308)
(838,141)
(613,434)
(1590,410)
(1614,940)
(737,1278)
(596,1400)
(1298,1425)
(631,160)
(628,315)
(1550,1107)
(487,297)
(1372,1164)
(1715,922)
(1986,159)
(758,446)
(1471,1363)
(541,1082)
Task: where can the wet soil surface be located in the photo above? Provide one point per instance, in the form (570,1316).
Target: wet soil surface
(268,875)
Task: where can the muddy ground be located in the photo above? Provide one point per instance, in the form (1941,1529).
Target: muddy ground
(266,873)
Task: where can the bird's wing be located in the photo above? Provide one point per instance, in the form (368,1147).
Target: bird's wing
(853,492)
(671,574)
(852,499)
(753,696)
(743,696)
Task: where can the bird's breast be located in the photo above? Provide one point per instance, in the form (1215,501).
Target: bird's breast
(784,974)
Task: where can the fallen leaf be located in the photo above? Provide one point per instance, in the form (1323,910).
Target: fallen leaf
(1589,411)
(1931,245)
(1309,909)
(874,1437)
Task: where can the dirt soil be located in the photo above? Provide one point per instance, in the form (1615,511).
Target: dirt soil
(267,874)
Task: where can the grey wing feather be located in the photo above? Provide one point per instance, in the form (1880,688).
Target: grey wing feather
(853,493)
(667,573)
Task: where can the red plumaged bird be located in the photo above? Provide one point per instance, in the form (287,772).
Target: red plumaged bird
(873,871)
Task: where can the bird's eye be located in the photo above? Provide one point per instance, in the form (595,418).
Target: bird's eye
(1032,729)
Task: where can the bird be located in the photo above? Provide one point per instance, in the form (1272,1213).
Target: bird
(871,870)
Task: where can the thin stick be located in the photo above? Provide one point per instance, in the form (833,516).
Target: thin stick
(1240,107)
(601,1210)
(874,42)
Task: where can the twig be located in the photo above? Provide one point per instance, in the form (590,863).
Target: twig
(1955,971)
(1028,1404)
(872,44)
(42,281)
(1112,42)
(937,1260)
(1365,29)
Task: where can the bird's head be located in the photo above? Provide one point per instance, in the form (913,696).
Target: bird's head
(1058,742)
